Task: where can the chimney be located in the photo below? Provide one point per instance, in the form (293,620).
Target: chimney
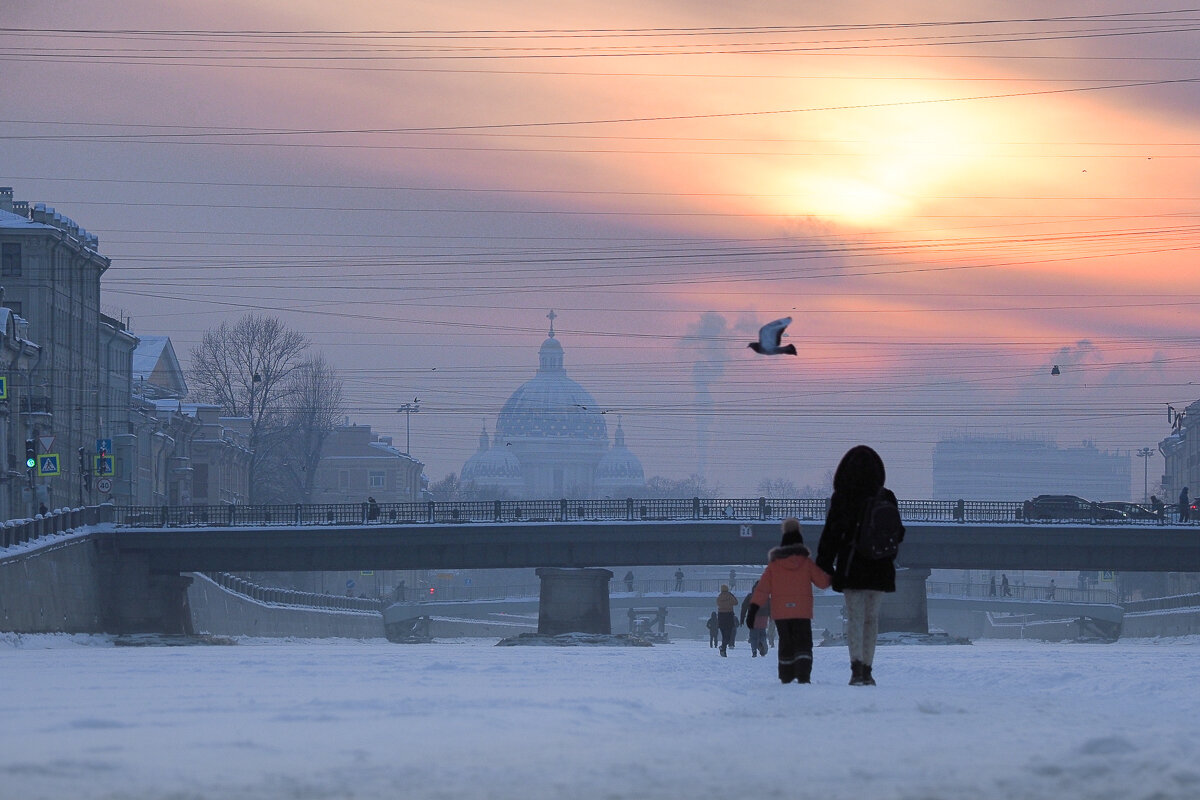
(6,198)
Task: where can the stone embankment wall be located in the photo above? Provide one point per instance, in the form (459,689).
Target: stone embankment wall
(59,587)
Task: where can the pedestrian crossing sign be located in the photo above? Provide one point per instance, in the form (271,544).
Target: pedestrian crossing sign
(104,466)
(47,465)
(3,387)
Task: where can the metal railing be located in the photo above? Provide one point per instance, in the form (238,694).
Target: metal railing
(564,510)
(292,597)
(1062,594)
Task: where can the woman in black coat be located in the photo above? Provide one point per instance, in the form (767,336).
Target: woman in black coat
(862,580)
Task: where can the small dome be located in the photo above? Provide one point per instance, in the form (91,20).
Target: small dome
(619,468)
(491,465)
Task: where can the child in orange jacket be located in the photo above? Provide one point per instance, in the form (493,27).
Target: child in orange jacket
(787,583)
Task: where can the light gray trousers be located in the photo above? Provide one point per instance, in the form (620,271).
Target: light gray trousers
(862,623)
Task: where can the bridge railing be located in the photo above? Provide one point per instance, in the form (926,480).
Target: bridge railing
(292,597)
(565,510)
(1063,594)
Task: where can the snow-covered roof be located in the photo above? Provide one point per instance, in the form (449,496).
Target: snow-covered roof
(154,363)
(9,220)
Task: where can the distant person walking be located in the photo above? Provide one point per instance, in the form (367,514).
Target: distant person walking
(1185,506)
(713,628)
(679,579)
(726,620)
(786,585)
(858,494)
(1005,590)
(992,586)
(756,627)
(372,509)
(1158,509)
(1050,590)
(732,579)
(629,581)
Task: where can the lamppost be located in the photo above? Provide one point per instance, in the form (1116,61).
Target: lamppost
(408,409)
(1145,453)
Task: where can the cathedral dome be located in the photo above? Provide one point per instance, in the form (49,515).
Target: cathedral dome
(493,466)
(619,468)
(551,405)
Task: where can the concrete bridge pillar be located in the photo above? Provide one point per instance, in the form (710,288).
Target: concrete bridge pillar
(573,600)
(906,610)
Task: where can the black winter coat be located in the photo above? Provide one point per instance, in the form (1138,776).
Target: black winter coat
(859,476)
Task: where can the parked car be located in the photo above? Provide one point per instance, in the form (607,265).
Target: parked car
(1068,507)
(1131,511)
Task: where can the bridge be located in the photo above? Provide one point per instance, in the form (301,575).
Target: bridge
(598,533)
(136,556)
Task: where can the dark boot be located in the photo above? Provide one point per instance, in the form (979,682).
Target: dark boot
(804,670)
(722,651)
(867,680)
(856,673)
(787,673)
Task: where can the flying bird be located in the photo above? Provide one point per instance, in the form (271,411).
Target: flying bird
(769,338)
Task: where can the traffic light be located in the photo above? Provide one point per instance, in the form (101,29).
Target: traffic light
(30,453)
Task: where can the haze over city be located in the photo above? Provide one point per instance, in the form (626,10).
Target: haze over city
(948,203)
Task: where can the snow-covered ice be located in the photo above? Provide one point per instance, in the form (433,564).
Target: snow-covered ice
(464,719)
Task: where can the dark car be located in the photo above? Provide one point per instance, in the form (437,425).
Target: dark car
(1068,507)
(1131,511)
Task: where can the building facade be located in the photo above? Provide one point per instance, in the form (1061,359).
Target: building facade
(1181,455)
(18,356)
(357,463)
(50,269)
(990,468)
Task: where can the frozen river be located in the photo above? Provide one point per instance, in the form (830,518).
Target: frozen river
(463,719)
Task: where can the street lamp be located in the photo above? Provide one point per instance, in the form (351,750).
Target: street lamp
(1145,453)
(408,409)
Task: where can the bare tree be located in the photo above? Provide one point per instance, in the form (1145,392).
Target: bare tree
(315,406)
(777,488)
(246,369)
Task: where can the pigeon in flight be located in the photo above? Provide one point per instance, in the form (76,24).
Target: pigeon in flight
(769,338)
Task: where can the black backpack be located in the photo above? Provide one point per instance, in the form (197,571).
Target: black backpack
(880,529)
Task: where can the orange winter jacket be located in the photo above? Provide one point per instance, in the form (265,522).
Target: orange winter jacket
(787,582)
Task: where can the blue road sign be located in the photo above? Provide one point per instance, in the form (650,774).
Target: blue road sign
(104,445)
(3,387)
(103,466)
(47,465)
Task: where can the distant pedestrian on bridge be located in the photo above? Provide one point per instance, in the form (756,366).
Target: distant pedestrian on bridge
(860,503)
(992,586)
(1185,506)
(629,581)
(1050,590)
(786,586)
(1158,509)
(732,579)
(726,619)
(1005,590)
(679,579)
(372,509)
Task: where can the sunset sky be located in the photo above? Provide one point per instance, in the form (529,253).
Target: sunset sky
(947,200)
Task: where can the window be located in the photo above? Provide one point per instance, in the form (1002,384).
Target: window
(376,480)
(200,482)
(10,260)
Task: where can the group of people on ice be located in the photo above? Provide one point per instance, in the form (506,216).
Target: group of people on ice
(856,555)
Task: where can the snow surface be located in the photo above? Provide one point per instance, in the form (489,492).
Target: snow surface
(464,719)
